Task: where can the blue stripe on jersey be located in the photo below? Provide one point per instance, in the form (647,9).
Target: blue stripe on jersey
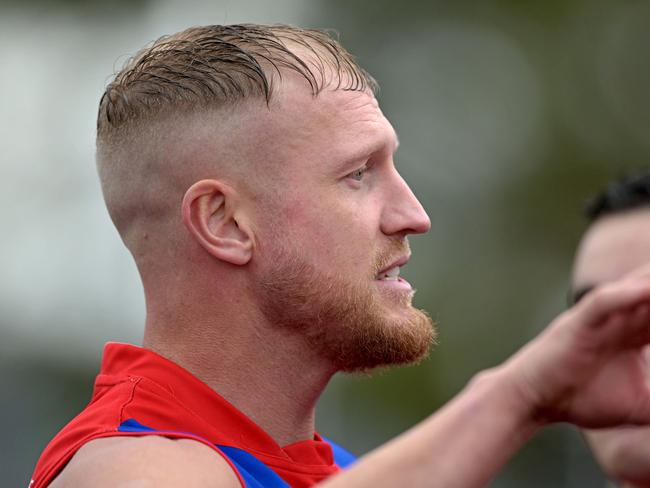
(342,457)
(132,425)
(254,472)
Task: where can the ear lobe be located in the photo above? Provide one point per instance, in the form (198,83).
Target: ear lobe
(209,208)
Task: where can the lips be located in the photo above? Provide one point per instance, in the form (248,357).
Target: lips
(391,272)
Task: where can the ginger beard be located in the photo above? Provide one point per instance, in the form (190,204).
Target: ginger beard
(354,325)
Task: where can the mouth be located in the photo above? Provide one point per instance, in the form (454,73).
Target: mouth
(390,275)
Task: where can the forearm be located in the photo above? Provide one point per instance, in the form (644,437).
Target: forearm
(463,445)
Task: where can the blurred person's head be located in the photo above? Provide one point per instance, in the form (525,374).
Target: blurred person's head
(616,243)
(249,170)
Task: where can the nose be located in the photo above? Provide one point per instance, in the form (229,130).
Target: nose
(403,213)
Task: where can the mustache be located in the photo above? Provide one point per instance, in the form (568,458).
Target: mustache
(393,251)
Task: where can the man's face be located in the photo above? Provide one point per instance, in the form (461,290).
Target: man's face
(614,246)
(334,222)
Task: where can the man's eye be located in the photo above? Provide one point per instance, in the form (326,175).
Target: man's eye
(358,174)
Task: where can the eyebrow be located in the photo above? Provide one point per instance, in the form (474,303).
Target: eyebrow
(368,150)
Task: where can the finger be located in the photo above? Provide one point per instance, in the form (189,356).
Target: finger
(594,309)
(619,331)
(633,326)
(640,272)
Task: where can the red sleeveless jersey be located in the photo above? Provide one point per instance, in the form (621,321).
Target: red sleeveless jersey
(138,392)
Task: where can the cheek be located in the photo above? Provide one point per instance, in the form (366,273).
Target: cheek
(332,232)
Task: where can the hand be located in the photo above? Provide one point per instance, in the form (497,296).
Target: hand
(624,452)
(587,367)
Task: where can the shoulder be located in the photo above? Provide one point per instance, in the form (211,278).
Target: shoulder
(146,461)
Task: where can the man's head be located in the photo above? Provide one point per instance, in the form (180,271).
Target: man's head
(617,243)
(618,239)
(253,164)
(201,86)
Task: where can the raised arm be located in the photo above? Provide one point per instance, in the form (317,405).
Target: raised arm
(585,368)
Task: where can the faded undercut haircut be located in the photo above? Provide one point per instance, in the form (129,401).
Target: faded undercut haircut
(199,70)
(216,65)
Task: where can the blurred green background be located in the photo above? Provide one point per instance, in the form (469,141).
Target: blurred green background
(510,115)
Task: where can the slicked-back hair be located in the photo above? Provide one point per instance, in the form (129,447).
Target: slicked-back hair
(214,66)
(631,191)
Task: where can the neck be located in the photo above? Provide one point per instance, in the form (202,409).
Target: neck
(270,375)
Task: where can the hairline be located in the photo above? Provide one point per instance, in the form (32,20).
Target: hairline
(316,55)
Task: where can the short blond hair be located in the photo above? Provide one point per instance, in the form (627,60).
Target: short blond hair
(215,65)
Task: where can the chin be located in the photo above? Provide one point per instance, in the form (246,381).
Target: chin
(396,339)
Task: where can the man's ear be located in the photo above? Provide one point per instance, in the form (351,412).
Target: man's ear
(211,214)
